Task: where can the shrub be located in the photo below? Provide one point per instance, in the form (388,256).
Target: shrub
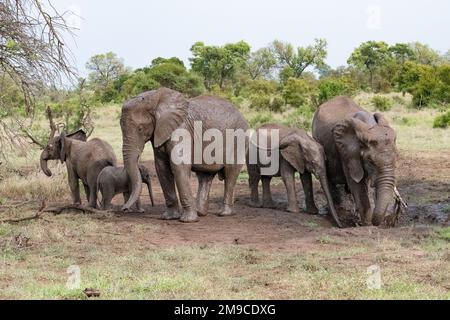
(260,119)
(300,92)
(300,118)
(442,121)
(333,87)
(382,103)
(263,95)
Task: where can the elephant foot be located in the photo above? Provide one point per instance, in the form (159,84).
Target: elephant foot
(312,210)
(269,204)
(171,214)
(293,209)
(202,211)
(189,217)
(254,204)
(227,211)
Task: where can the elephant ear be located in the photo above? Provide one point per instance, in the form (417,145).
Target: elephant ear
(347,135)
(80,135)
(291,150)
(171,113)
(381,120)
(62,151)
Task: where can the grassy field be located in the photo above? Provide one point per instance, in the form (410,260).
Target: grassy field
(254,255)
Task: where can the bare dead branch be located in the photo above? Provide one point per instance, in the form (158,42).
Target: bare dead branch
(37,215)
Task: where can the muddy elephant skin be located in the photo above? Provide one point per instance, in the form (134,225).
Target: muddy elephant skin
(84,161)
(298,153)
(360,148)
(154,116)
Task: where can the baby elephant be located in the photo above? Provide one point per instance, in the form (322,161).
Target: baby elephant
(114,180)
(298,152)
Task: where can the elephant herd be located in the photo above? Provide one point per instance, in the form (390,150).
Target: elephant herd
(349,147)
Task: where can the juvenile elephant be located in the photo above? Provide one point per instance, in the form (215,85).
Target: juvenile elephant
(360,148)
(114,180)
(84,161)
(154,116)
(298,153)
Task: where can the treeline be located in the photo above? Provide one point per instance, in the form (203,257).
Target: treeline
(281,73)
(271,79)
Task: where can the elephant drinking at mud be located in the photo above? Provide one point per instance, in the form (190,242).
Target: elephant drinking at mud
(154,116)
(361,151)
(298,153)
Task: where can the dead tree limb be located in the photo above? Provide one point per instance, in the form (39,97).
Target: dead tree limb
(37,215)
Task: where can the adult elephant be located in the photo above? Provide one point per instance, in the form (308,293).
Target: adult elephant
(84,161)
(298,152)
(154,116)
(360,148)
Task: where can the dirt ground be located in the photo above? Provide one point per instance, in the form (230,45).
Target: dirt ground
(255,254)
(419,182)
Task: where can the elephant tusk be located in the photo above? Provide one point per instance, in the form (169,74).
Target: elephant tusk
(399,198)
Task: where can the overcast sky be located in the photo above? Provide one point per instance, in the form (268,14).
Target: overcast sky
(139,30)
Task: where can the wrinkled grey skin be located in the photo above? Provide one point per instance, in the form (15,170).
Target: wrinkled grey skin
(114,180)
(361,150)
(154,116)
(84,161)
(298,153)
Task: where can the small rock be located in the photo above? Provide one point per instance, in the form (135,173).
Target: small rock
(91,293)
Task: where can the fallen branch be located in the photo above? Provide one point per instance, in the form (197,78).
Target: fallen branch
(74,207)
(37,215)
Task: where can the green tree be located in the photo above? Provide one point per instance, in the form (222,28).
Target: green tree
(104,70)
(218,65)
(293,62)
(370,56)
(261,64)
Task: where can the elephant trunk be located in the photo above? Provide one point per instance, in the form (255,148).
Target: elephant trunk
(44,164)
(325,186)
(150,192)
(385,185)
(131,156)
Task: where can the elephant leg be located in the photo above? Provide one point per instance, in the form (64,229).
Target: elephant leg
(254,178)
(267,194)
(288,175)
(335,193)
(87,192)
(311,207)
(74,187)
(92,183)
(204,186)
(360,195)
(231,176)
(182,174)
(107,200)
(167,182)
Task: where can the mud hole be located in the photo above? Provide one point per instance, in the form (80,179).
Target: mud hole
(422,181)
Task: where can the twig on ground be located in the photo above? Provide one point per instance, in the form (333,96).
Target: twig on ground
(37,215)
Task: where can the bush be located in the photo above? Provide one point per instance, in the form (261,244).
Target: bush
(299,92)
(260,119)
(300,118)
(333,87)
(442,121)
(382,103)
(263,95)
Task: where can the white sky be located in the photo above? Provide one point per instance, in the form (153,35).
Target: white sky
(139,30)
